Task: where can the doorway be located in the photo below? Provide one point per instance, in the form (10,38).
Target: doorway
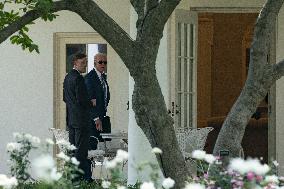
(66,44)
(223,55)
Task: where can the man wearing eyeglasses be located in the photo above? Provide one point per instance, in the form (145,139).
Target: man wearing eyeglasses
(98,89)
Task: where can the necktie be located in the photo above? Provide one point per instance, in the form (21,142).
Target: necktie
(104,90)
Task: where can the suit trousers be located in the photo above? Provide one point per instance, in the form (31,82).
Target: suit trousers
(80,138)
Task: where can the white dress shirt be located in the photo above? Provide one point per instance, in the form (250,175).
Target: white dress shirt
(100,77)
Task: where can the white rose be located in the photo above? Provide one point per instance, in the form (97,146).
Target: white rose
(121,187)
(156,150)
(110,164)
(71,147)
(275,163)
(106,184)
(13,146)
(198,154)
(121,154)
(147,185)
(54,175)
(75,161)
(63,156)
(255,166)
(44,168)
(239,165)
(271,179)
(209,158)
(28,137)
(168,183)
(18,136)
(194,186)
(49,141)
(35,141)
(8,183)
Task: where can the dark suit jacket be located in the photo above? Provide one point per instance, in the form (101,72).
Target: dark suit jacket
(95,91)
(76,97)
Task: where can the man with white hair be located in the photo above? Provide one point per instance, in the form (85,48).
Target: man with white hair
(98,89)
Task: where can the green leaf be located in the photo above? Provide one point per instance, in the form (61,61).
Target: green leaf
(31,49)
(44,18)
(14,39)
(25,28)
(50,17)
(1,6)
(37,49)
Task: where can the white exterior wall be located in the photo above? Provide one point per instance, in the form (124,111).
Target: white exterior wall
(26,96)
(280,94)
(186,4)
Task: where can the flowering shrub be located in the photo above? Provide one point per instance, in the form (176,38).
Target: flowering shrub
(6,182)
(49,173)
(240,173)
(19,152)
(117,183)
(61,172)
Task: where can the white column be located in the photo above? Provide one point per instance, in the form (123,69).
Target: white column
(139,148)
(279,95)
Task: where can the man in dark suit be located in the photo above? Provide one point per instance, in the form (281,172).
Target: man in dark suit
(98,89)
(78,105)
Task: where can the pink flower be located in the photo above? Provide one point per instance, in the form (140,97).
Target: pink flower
(258,178)
(206,176)
(250,176)
(218,158)
(239,183)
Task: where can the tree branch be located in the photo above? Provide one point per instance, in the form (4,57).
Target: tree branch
(142,8)
(262,36)
(139,7)
(155,21)
(28,18)
(120,41)
(278,70)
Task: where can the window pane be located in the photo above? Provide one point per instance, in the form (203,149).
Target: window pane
(185,109)
(190,75)
(179,39)
(179,110)
(179,75)
(191,40)
(185,41)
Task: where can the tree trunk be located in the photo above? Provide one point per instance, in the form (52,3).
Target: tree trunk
(261,76)
(151,115)
(233,128)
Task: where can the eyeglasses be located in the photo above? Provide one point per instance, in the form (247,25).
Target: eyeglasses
(100,62)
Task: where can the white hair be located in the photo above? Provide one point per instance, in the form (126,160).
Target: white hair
(99,54)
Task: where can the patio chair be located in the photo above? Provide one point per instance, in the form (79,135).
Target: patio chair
(96,156)
(190,139)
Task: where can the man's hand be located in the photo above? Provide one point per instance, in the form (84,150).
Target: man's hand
(93,102)
(99,125)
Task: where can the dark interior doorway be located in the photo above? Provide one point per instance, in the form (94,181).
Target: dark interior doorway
(223,52)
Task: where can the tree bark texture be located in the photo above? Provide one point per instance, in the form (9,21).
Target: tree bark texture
(151,115)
